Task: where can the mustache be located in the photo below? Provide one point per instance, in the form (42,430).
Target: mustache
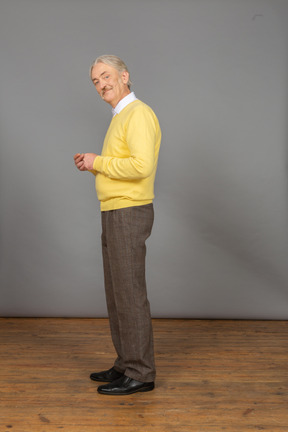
(106,88)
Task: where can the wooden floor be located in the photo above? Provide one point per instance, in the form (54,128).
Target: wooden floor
(213,376)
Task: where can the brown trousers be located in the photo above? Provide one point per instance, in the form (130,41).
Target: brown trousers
(124,232)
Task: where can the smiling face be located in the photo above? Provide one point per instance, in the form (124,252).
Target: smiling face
(109,83)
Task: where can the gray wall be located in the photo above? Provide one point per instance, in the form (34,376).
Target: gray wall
(215,72)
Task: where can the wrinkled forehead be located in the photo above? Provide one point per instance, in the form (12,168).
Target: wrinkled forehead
(100,68)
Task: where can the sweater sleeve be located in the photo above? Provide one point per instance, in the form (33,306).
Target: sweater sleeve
(93,172)
(140,137)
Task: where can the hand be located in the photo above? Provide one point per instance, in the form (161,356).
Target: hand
(79,162)
(89,160)
(84,161)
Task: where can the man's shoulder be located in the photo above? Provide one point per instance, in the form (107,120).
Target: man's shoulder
(137,104)
(138,107)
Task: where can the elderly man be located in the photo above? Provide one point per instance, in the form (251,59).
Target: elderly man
(124,180)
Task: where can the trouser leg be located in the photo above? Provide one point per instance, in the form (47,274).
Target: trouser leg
(111,305)
(123,240)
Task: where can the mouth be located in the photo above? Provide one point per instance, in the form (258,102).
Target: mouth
(104,91)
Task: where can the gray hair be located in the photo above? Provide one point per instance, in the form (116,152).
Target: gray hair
(113,61)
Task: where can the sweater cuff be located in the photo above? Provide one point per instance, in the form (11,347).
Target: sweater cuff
(93,172)
(97,164)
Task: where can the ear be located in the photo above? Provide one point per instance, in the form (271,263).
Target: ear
(125,77)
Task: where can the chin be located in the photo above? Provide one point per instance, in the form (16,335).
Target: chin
(108,101)
(107,98)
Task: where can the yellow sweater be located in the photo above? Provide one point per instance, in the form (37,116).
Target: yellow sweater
(125,171)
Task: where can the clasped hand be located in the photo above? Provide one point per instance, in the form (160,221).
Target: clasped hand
(84,161)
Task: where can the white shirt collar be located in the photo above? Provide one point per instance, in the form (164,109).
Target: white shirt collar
(123,103)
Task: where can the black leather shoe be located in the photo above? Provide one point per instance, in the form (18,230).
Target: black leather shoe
(106,376)
(125,386)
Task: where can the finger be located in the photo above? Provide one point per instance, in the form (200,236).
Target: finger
(78,156)
(78,160)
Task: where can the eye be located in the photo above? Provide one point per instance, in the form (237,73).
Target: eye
(107,76)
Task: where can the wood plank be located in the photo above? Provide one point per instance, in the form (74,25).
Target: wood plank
(213,376)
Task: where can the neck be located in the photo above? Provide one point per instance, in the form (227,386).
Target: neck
(124,94)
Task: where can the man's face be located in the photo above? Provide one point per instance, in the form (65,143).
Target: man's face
(110,85)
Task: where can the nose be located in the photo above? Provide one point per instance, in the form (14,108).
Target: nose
(102,83)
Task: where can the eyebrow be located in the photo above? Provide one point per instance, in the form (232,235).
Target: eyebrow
(95,79)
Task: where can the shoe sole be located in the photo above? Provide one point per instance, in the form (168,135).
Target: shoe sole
(145,389)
